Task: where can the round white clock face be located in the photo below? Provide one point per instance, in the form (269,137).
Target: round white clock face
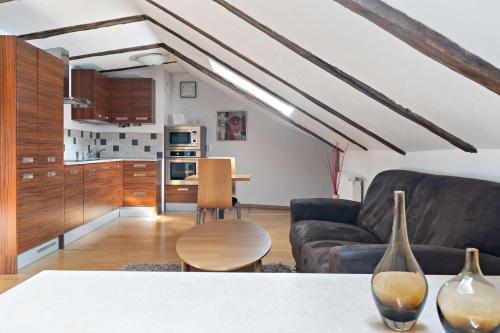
(188,89)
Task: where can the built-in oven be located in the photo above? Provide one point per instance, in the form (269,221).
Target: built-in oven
(185,137)
(180,164)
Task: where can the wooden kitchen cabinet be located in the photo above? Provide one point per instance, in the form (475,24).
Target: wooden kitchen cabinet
(121,100)
(115,100)
(117,185)
(50,98)
(97,198)
(143,101)
(141,184)
(181,193)
(73,196)
(95,86)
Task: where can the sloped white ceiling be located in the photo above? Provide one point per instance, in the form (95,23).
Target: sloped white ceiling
(325,28)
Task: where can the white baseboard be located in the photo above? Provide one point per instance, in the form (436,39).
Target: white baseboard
(27,258)
(138,212)
(87,228)
(180,207)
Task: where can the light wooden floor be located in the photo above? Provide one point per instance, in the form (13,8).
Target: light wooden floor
(143,240)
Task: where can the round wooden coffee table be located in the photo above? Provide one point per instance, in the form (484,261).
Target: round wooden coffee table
(224,245)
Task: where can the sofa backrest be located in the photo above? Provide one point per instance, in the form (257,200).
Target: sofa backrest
(376,213)
(455,212)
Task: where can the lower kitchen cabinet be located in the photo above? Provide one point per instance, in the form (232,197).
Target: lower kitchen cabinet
(51,198)
(181,193)
(73,196)
(141,184)
(97,197)
(117,170)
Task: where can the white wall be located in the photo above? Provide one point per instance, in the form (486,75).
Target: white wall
(483,165)
(284,163)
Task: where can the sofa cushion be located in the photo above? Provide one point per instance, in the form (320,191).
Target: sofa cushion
(456,212)
(376,213)
(313,230)
(315,256)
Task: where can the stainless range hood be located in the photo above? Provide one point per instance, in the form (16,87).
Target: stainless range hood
(80,102)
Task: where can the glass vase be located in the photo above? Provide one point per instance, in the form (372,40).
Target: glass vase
(468,302)
(399,287)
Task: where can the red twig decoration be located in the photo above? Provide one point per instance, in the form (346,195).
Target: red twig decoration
(335,164)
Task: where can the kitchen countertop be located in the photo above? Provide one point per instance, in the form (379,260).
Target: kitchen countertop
(104,160)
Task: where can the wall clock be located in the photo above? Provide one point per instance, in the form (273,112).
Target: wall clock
(188,89)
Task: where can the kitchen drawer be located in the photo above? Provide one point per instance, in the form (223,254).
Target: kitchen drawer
(27,154)
(139,197)
(134,179)
(181,193)
(73,174)
(50,154)
(140,165)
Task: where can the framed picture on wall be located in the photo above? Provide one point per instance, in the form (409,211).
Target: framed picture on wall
(188,89)
(231,125)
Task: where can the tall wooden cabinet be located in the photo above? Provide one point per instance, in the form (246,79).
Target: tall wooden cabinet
(31,147)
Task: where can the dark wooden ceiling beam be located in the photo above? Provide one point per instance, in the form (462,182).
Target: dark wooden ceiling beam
(240,91)
(132,67)
(116,51)
(276,77)
(82,27)
(353,82)
(220,61)
(427,41)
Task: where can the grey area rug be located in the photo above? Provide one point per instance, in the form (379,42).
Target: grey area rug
(266,268)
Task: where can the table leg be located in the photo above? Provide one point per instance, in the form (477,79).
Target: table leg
(184,267)
(257,266)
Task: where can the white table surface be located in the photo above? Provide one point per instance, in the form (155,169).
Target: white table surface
(81,302)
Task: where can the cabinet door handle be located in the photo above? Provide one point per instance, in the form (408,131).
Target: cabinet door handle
(51,159)
(75,172)
(139,194)
(27,160)
(121,118)
(27,176)
(182,189)
(51,174)
(141,118)
(92,170)
(139,175)
(105,167)
(137,166)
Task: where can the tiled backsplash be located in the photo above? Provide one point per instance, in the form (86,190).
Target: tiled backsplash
(78,144)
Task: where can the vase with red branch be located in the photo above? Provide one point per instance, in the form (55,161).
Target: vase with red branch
(335,164)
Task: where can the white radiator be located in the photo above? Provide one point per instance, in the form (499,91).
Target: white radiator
(351,188)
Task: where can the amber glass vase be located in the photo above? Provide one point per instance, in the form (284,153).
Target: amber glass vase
(468,302)
(399,286)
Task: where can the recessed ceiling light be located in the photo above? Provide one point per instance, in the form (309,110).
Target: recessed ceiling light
(251,88)
(152,59)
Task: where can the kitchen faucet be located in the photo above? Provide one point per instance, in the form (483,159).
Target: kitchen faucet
(94,154)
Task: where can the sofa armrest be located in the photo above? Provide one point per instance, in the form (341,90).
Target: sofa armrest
(324,209)
(434,260)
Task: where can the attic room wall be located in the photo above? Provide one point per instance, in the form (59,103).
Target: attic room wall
(283,162)
(483,165)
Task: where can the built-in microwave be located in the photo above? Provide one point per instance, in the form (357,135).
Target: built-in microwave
(185,137)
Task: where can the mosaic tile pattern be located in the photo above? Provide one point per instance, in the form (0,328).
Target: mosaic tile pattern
(78,144)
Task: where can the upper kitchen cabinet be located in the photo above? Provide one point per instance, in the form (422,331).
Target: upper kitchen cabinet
(94,86)
(50,97)
(121,100)
(115,100)
(143,101)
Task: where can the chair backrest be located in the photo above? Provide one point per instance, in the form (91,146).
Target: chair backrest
(215,183)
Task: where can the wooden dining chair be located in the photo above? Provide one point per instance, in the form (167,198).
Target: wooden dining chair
(215,186)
